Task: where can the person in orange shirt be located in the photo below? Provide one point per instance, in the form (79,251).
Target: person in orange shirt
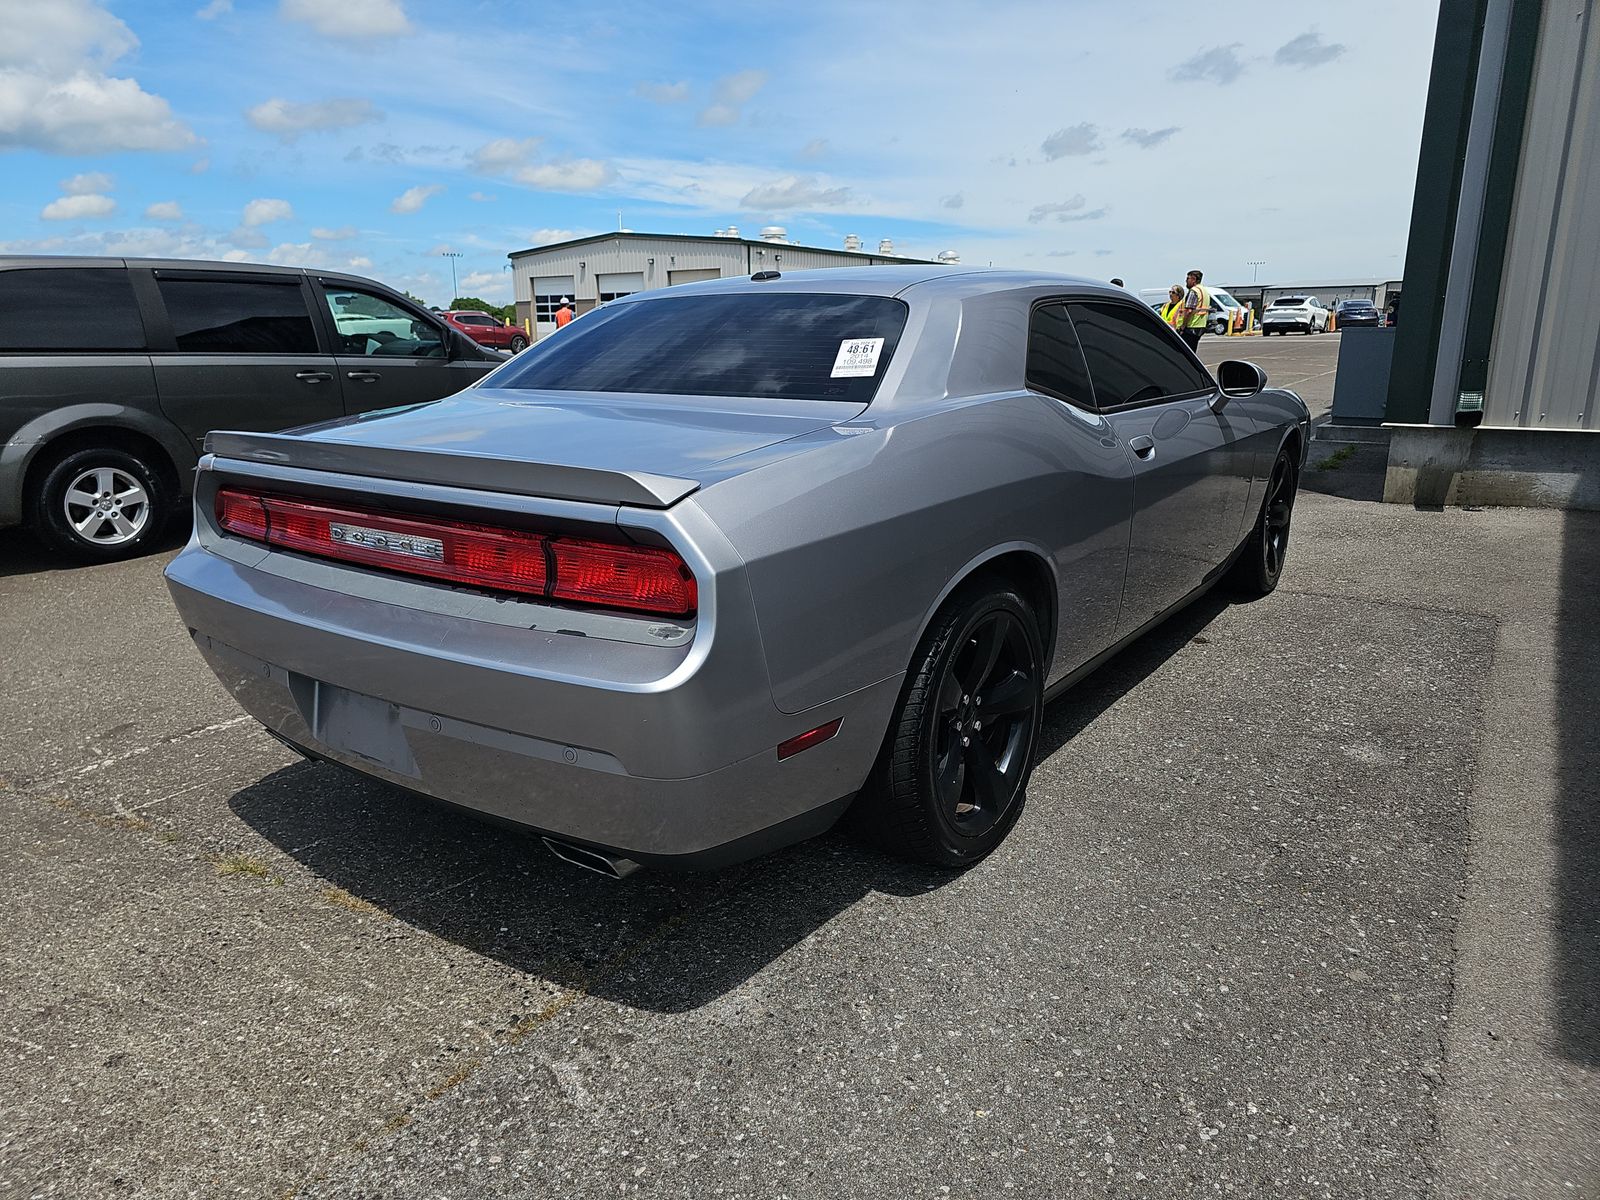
(564,313)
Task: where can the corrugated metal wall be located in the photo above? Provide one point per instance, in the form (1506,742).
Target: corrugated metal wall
(1544,366)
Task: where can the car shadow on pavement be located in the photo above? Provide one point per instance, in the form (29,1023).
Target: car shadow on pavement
(659,940)
(21,554)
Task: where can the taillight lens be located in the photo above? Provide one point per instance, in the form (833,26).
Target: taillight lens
(640,578)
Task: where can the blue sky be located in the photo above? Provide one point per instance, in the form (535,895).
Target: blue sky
(1131,139)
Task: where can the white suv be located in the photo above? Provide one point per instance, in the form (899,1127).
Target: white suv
(1304,313)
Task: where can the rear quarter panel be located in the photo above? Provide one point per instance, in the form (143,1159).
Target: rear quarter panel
(852,543)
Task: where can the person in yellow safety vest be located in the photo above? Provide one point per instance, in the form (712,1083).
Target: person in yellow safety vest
(1196,311)
(1174,304)
(564,313)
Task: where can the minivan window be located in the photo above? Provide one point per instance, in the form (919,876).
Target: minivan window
(369,324)
(69,308)
(780,345)
(228,316)
(1132,357)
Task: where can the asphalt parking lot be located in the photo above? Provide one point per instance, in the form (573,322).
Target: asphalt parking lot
(1303,904)
(1305,363)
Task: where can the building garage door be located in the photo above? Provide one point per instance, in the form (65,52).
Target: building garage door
(693,275)
(623,283)
(547,296)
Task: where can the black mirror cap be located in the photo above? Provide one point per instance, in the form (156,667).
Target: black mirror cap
(1239,379)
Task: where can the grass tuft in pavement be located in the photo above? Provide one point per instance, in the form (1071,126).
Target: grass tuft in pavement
(1337,459)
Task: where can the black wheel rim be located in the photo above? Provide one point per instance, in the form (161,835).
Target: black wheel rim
(1280,507)
(987,713)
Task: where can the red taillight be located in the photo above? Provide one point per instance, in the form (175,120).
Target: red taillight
(642,578)
(622,576)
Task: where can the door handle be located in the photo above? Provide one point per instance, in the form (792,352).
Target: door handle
(364,376)
(1144,445)
(313,376)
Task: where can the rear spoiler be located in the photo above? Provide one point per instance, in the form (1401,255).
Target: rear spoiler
(638,489)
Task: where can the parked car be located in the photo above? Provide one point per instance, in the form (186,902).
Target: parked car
(683,583)
(1226,312)
(113,370)
(1305,314)
(487,330)
(1352,314)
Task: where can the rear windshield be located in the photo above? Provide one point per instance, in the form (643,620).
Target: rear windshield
(783,345)
(1289,302)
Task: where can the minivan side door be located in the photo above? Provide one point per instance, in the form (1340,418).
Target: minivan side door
(388,355)
(1192,465)
(237,350)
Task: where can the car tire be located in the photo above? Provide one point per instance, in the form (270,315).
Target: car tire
(945,790)
(518,344)
(1259,566)
(101,505)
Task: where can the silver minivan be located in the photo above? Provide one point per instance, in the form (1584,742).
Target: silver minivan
(112,372)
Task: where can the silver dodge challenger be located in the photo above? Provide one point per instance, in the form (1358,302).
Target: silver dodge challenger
(691,577)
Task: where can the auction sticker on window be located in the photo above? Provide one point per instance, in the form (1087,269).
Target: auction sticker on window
(858,357)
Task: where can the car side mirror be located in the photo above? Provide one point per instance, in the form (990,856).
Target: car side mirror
(1239,379)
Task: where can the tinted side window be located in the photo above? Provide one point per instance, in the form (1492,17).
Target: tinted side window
(1132,357)
(1055,362)
(369,324)
(69,308)
(222,316)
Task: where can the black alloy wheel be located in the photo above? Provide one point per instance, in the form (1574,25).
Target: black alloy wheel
(1260,563)
(954,771)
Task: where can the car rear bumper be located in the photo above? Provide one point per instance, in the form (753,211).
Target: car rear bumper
(662,755)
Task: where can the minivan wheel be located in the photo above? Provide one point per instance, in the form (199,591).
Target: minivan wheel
(100,505)
(953,774)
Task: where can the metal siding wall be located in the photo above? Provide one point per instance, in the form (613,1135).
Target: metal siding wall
(1545,362)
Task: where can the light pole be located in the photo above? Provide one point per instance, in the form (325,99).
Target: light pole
(1254,265)
(452,255)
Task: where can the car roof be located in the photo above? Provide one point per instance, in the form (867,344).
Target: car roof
(178,264)
(929,281)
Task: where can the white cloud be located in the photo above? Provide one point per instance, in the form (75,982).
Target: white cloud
(1307,50)
(214,10)
(248,239)
(796,192)
(78,207)
(200,166)
(570,175)
(493,286)
(662,93)
(729,96)
(504,153)
(1072,141)
(288,120)
(955,200)
(165,210)
(1148,139)
(356,20)
(548,237)
(342,234)
(89,181)
(481,197)
(1071,209)
(262,212)
(55,95)
(413,198)
(815,148)
(1220,64)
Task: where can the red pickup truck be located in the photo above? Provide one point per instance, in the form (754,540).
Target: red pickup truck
(487,330)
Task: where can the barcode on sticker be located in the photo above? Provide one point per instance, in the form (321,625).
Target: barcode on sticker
(858,358)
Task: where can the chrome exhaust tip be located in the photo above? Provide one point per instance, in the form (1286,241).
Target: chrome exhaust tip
(591,860)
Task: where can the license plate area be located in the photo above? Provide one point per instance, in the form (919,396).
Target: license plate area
(363,726)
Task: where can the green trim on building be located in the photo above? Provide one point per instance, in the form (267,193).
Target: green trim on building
(1500,190)
(1446,122)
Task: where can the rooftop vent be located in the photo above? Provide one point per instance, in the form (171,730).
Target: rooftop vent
(949,257)
(886,246)
(733,231)
(774,233)
(852,241)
